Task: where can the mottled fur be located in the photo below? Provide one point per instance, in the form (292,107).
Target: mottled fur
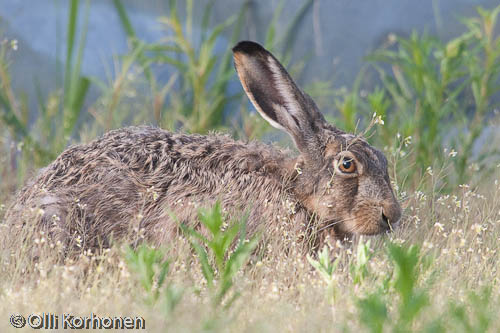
(144,179)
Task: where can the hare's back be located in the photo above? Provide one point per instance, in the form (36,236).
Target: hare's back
(107,178)
(139,152)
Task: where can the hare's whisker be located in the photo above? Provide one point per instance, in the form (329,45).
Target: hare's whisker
(334,223)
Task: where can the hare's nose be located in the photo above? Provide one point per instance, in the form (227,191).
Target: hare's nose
(391,214)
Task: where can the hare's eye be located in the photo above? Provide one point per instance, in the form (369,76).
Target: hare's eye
(347,165)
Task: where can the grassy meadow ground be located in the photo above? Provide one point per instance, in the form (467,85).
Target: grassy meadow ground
(437,272)
(450,284)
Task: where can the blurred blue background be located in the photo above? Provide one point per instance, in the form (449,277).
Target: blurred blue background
(336,35)
(428,69)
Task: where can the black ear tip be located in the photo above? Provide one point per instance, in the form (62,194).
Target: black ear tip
(248,47)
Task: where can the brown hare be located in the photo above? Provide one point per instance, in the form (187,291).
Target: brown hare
(149,180)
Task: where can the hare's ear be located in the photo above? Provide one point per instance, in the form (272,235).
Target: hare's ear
(276,97)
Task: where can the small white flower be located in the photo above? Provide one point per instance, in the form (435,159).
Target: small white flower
(439,226)
(428,245)
(477,228)
(378,119)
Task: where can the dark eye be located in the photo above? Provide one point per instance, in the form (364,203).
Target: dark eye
(347,165)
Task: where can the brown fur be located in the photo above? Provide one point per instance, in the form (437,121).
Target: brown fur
(145,179)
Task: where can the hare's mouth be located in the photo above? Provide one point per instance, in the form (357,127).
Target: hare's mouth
(386,225)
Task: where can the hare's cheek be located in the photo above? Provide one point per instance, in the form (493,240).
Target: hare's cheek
(326,207)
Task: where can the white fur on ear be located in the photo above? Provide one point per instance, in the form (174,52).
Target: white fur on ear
(256,105)
(286,91)
(268,119)
(274,94)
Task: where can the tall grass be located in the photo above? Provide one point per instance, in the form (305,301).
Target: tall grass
(200,96)
(195,97)
(438,96)
(58,112)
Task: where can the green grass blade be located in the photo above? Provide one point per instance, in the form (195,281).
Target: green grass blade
(70,42)
(206,268)
(78,86)
(81,91)
(290,36)
(11,119)
(271,30)
(124,20)
(189,19)
(131,35)
(205,21)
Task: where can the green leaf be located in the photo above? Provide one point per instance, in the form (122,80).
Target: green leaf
(239,257)
(212,218)
(405,260)
(206,268)
(194,233)
(373,312)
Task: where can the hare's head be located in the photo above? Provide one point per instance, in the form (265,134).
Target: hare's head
(340,177)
